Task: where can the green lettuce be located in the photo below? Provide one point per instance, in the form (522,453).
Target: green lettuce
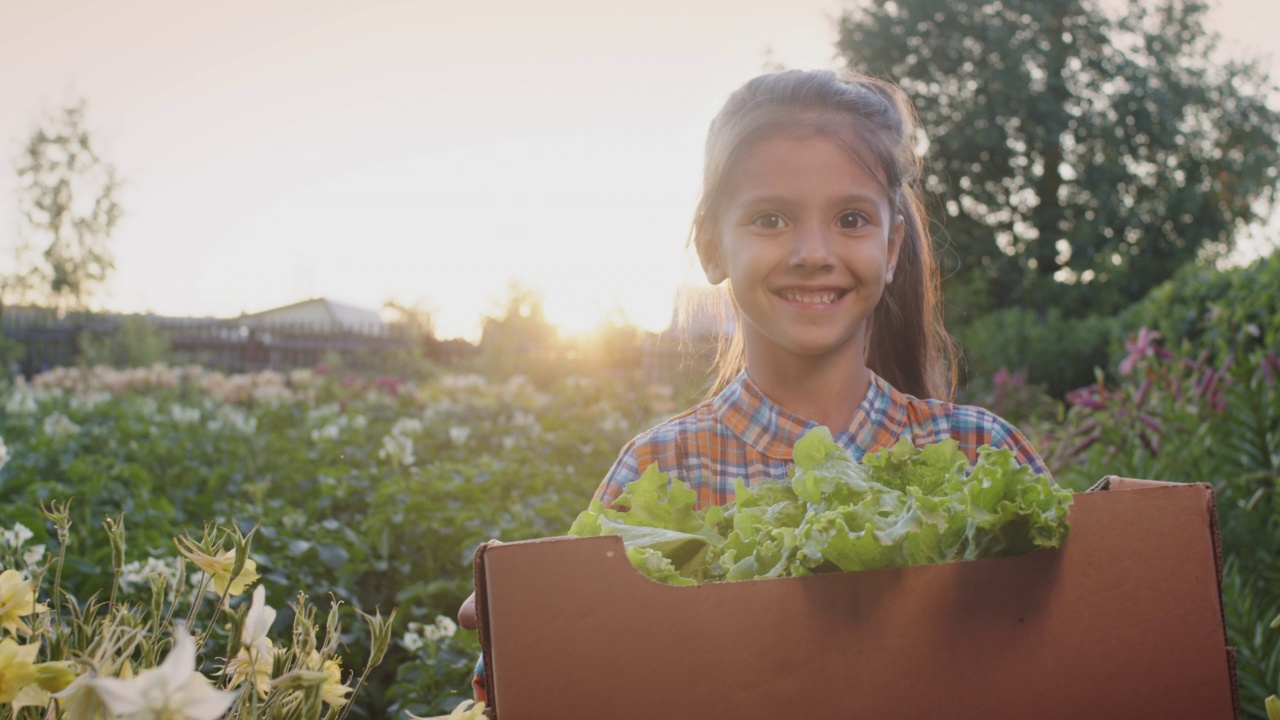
(902,506)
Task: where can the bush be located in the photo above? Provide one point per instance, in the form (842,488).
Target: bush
(137,342)
(1224,311)
(1057,354)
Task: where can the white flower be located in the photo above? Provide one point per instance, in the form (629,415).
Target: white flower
(34,555)
(431,633)
(233,418)
(84,402)
(459,434)
(397,448)
(183,415)
(21,402)
(172,691)
(407,426)
(58,426)
(412,641)
(257,622)
(17,536)
(447,627)
(328,432)
(139,572)
(323,412)
(4,453)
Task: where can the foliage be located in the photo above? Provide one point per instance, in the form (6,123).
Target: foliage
(374,491)
(137,342)
(1182,418)
(1057,353)
(520,340)
(1082,157)
(901,506)
(1235,310)
(67,194)
(1013,398)
(102,654)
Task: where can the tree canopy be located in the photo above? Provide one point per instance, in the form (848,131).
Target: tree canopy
(1076,158)
(67,198)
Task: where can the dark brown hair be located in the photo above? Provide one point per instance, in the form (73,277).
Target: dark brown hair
(907,344)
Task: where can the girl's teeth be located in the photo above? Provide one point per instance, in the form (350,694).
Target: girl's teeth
(812,298)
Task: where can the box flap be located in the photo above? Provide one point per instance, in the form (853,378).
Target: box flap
(1124,620)
(1115,482)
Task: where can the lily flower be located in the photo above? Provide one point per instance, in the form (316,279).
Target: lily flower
(17,600)
(256,655)
(219,567)
(332,691)
(174,690)
(17,667)
(257,622)
(252,663)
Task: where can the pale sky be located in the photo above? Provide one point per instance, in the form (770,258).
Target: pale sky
(420,150)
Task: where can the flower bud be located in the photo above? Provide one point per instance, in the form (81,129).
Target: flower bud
(55,676)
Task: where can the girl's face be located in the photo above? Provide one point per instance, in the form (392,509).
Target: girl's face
(807,241)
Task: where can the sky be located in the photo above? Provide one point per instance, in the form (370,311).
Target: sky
(420,151)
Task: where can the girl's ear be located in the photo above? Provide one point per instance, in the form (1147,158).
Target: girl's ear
(709,254)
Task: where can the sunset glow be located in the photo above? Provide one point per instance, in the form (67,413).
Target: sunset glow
(367,151)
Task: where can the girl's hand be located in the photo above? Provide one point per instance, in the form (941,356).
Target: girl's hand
(467,613)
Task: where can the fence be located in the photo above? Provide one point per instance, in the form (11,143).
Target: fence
(37,341)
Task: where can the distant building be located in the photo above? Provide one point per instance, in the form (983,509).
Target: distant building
(318,313)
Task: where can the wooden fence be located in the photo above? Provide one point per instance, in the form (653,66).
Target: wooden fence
(34,342)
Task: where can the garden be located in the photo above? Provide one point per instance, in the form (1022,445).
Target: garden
(349,506)
(292,539)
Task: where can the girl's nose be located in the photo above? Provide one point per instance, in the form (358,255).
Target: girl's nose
(811,249)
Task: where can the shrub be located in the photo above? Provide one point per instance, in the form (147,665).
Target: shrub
(1056,353)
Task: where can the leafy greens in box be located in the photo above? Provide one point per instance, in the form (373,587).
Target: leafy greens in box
(902,506)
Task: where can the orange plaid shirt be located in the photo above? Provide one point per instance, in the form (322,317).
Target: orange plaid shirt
(740,433)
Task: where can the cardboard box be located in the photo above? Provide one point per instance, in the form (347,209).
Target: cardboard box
(1123,621)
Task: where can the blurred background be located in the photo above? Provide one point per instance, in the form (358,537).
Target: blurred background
(385,279)
(392,156)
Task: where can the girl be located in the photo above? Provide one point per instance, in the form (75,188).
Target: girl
(810,212)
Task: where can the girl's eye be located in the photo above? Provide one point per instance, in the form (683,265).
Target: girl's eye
(768,221)
(852,220)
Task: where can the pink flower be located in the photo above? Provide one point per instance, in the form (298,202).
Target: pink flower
(1093,397)
(1144,346)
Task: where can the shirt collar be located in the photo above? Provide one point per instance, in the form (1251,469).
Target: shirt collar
(773,430)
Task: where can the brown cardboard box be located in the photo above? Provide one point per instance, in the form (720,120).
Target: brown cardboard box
(1124,621)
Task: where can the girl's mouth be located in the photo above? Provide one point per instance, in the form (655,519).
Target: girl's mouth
(811,297)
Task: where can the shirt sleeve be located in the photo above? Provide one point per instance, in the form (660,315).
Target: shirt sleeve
(1007,436)
(477,683)
(625,469)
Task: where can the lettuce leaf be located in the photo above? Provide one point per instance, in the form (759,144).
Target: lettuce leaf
(902,506)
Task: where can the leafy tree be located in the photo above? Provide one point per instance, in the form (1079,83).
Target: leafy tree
(67,197)
(1077,158)
(520,340)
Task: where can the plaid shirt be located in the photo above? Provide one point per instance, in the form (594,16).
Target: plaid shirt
(740,433)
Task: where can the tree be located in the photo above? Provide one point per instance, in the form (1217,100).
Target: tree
(520,340)
(1076,159)
(67,198)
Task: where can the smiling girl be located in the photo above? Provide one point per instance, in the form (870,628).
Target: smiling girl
(811,213)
